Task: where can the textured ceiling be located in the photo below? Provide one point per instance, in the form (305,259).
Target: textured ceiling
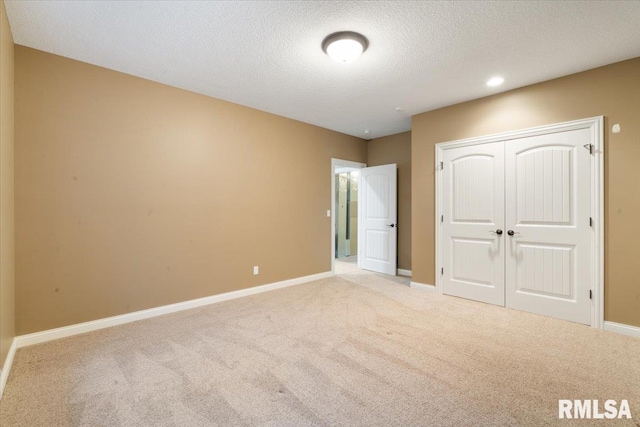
(267,55)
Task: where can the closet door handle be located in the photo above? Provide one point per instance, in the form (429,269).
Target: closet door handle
(498,232)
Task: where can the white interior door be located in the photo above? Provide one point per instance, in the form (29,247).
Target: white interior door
(473,223)
(378,235)
(548,210)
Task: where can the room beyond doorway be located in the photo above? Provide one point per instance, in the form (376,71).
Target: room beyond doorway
(348,264)
(339,236)
(346,217)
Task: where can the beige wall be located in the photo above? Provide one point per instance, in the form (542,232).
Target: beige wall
(131,194)
(7,277)
(612,91)
(397,149)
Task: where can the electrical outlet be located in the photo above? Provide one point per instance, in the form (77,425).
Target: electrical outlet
(256,270)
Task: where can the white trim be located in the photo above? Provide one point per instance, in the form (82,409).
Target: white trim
(335,163)
(6,369)
(523,133)
(595,125)
(423,287)
(597,209)
(438,224)
(620,328)
(94,325)
(403,272)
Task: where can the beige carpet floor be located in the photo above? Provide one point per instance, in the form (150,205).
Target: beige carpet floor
(356,349)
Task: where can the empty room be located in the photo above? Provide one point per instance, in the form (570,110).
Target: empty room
(309,213)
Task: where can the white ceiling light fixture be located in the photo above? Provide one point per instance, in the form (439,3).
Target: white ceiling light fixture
(495,81)
(345,46)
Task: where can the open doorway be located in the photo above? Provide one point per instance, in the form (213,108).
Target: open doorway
(344,213)
(346,217)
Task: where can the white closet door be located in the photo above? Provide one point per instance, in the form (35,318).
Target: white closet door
(548,209)
(473,219)
(378,233)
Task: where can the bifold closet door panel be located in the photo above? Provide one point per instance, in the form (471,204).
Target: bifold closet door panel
(548,233)
(473,218)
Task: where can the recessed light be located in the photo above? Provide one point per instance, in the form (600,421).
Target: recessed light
(345,46)
(367,131)
(495,81)
(399,109)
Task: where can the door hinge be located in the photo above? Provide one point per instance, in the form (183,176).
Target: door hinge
(441,166)
(441,218)
(590,294)
(590,222)
(442,270)
(589,147)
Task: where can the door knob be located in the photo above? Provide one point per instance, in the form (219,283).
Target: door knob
(392,225)
(511,232)
(498,232)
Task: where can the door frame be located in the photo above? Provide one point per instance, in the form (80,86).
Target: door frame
(337,163)
(596,127)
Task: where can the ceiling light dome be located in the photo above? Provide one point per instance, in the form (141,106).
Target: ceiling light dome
(495,81)
(345,46)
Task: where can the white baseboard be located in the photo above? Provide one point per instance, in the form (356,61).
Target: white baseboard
(403,272)
(4,374)
(423,287)
(94,325)
(633,331)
